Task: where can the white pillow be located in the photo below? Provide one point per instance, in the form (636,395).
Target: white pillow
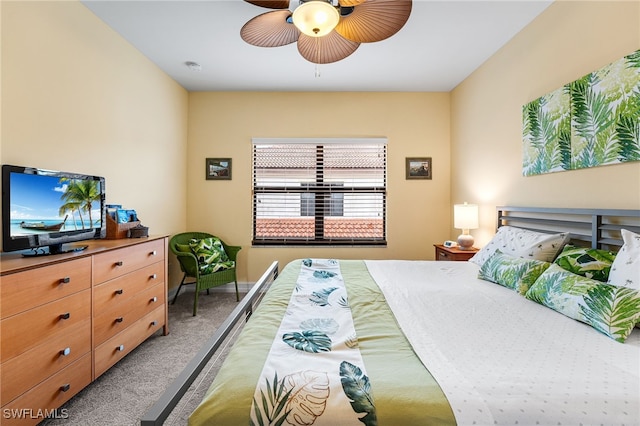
(523,243)
(625,270)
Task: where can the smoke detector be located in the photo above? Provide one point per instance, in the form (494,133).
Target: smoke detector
(193,66)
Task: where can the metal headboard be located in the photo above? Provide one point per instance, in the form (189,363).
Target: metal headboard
(596,228)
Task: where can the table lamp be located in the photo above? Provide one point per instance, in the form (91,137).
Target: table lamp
(465,217)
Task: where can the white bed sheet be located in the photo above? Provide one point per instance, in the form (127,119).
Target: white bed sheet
(503,359)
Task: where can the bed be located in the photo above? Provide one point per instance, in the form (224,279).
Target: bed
(430,342)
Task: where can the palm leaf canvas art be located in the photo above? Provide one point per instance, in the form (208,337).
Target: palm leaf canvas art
(592,121)
(547,133)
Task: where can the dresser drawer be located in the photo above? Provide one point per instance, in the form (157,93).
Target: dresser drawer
(26,330)
(108,295)
(21,373)
(50,394)
(116,263)
(25,290)
(114,349)
(126,313)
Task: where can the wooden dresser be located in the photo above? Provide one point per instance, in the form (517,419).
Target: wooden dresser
(66,319)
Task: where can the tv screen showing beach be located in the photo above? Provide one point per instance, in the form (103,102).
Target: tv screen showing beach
(46,204)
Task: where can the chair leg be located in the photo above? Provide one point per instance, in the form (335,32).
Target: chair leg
(195,301)
(237,295)
(179,287)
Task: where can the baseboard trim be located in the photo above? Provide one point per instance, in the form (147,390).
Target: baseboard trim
(243,287)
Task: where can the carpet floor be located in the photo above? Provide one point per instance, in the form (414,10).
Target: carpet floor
(128,389)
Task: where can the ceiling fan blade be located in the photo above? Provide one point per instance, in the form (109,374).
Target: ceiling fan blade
(327,49)
(270,29)
(271,4)
(348,3)
(374,20)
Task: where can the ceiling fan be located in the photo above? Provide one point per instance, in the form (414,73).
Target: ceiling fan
(326,30)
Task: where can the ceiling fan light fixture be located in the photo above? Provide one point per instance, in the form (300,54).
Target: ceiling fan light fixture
(325,31)
(316,18)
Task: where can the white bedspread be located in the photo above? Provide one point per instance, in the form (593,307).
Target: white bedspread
(503,359)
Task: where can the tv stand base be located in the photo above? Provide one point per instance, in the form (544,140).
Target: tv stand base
(53,249)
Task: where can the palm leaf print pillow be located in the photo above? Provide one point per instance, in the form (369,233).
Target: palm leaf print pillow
(588,262)
(515,273)
(211,255)
(610,309)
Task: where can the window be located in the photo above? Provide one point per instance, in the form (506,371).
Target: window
(335,202)
(319,191)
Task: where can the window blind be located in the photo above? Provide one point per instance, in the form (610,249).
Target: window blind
(319,191)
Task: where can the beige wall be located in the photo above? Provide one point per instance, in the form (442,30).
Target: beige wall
(569,40)
(77,97)
(416,125)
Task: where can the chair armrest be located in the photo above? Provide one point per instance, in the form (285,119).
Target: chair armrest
(188,263)
(232,251)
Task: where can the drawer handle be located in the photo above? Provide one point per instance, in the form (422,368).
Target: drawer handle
(119,319)
(65,351)
(153,323)
(119,291)
(153,253)
(119,263)
(65,387)
(153,276)
(120,348)
(65,316)
(153,299)
(65,280)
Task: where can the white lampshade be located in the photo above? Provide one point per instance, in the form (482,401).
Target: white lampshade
(465,217)
(316,18)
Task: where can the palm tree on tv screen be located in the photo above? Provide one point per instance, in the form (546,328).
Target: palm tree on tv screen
(80,195)
(71,207)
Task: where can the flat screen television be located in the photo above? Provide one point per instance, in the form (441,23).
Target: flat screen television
(44,210)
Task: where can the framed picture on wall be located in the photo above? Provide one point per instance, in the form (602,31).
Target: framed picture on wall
(218,168)
(418,168)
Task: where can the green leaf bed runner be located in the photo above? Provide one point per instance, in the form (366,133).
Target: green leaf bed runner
(317,330)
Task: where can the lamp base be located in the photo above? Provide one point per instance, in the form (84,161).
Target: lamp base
(465,242)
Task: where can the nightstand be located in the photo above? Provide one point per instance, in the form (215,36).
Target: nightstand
(453,253)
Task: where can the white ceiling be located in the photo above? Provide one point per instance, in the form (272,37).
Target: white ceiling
(440,45)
